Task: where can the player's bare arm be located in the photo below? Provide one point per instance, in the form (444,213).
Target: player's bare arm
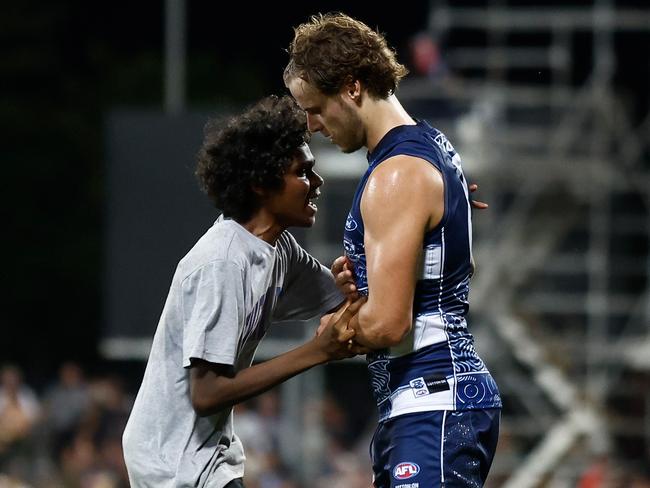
(344,273)
(214,387)
(403,199)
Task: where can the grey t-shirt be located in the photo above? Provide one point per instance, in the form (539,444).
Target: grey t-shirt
(224,295)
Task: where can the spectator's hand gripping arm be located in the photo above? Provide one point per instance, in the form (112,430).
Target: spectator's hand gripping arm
(344,277)
(475,203)
(214,387)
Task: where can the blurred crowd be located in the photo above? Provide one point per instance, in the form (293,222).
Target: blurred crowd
(69,435)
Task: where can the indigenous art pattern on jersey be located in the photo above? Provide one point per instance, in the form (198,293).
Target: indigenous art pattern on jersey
(409,377)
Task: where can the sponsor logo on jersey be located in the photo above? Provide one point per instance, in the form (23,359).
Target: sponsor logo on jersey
(419,387)
(431,384)
(444,143)
(436,383)
(350,223)
(350,249)
(405,470)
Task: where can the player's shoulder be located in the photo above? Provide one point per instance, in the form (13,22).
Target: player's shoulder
(404,174)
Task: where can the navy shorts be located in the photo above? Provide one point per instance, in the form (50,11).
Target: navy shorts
(437,449)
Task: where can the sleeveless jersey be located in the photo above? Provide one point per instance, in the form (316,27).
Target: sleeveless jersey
(435,367)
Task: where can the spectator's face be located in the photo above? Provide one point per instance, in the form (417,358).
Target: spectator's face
(334,116)
(293,206)
(70,375)
(11,379)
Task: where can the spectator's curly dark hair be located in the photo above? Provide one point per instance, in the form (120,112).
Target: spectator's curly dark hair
(251,150)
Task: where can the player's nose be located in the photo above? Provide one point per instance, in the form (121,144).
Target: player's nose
(313,123)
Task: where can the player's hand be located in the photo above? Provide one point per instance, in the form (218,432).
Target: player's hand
(475,203)
(336,337)
(344,277)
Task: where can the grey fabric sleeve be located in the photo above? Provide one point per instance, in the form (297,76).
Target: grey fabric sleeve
(309,289)
(213,311)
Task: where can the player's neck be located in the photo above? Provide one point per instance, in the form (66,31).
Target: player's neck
(380,116)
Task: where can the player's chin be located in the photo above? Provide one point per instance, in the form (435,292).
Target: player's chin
(349,148)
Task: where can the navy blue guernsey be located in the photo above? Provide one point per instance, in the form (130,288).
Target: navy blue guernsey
(436,366)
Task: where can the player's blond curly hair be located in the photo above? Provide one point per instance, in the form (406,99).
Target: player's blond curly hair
(333,49)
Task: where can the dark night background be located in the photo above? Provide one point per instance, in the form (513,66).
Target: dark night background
(64,65)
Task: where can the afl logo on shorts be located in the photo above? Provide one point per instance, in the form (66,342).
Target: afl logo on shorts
(404,471)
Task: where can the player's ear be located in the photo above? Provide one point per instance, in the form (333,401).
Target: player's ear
(352,89)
